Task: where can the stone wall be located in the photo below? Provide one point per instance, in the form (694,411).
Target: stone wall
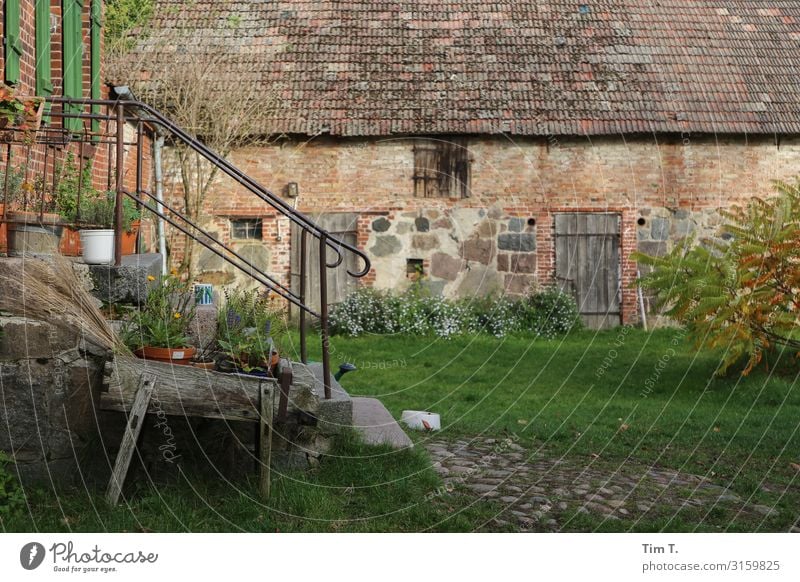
(501,237)
(49,382)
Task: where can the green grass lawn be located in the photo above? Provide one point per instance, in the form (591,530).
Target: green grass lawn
(611,398)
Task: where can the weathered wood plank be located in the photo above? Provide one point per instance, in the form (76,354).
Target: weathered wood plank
(267,408)
(185,390)
(133,428)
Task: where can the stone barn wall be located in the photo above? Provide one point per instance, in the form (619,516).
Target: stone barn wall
(500,238)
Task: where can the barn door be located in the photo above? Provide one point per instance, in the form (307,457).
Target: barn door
(340,284)
(588,266)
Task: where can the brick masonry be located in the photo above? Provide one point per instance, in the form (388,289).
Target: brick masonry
(501,238)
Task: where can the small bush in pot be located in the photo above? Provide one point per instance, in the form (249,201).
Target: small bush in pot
(159,330)
(246,326)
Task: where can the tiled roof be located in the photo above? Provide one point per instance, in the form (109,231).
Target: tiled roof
(521,67)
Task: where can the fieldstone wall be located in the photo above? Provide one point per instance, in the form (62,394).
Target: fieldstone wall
(50,381)
(659,229)
(464,251)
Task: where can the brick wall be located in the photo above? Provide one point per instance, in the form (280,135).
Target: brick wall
(671,184)
(102,156)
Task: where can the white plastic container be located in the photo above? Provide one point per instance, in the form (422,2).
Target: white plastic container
(98,246)
(421,420)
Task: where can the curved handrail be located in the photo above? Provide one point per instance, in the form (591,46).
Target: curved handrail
(232,171)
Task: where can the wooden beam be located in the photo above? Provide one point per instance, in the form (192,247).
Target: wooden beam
(186,390)
(141,401)
(265,439)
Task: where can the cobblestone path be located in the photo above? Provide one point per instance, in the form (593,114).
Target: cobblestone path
(541,493)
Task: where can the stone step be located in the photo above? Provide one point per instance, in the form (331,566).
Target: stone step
(376,425)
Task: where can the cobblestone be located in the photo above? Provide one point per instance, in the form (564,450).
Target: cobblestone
(529,487)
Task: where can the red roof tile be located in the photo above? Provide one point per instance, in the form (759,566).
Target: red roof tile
(524,67)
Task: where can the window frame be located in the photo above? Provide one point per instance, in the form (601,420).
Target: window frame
(442,168)
(257,228)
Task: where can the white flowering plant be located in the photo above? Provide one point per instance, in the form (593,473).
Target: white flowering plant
(548,313)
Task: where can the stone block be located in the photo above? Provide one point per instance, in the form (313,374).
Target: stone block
(518,242)
(127,283)
(336,414)
(422,224)
(425,242)
(654,249)
(519,284)
(503,262)
(381,225)
(386,245)
(479,280)
(659,228)
(487,229)
(516,224)
(208,260)
(523,263)
(445,267)
(480,250)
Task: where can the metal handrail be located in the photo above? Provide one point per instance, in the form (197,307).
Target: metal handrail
(119,112)
(232,171)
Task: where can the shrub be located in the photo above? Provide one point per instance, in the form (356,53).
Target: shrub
(12,499)
(742,295)
(549,313)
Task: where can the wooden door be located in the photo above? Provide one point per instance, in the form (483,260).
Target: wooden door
(344,227)
(588,265)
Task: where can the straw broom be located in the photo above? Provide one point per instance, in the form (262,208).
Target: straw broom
(50,290)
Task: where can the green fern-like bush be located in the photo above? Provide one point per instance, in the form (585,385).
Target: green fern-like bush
(741,296)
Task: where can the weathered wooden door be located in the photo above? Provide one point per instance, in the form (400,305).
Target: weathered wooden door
(588,266)
(340,284)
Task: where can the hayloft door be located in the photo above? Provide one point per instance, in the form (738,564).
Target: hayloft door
(340,284)
(588,265)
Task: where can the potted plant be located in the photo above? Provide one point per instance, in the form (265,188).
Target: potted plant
(159,329)
(97,225)
(33,226)
(21,113)
(245,329)
(97,237)
(131,221)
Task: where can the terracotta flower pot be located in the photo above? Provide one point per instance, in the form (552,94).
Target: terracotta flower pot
(129,239)
(205,365)
(70,245)
(180,356)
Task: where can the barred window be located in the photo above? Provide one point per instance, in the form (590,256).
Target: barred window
(441,169)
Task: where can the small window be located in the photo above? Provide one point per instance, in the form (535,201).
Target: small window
(441,169)
(415,269)
(246,228)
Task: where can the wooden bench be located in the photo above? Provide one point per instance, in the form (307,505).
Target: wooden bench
(186,391)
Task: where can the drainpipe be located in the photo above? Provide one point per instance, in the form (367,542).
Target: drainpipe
(159,175)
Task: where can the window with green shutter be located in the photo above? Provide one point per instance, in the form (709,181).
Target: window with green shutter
(73,59)
(96,30)
(44,80)
(12,41)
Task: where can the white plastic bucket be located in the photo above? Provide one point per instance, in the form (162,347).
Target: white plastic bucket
(98,246)
(421,420)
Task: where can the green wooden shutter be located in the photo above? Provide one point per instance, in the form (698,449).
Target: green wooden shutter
(96,39)
(44,79)
(72,58)
(13,43)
